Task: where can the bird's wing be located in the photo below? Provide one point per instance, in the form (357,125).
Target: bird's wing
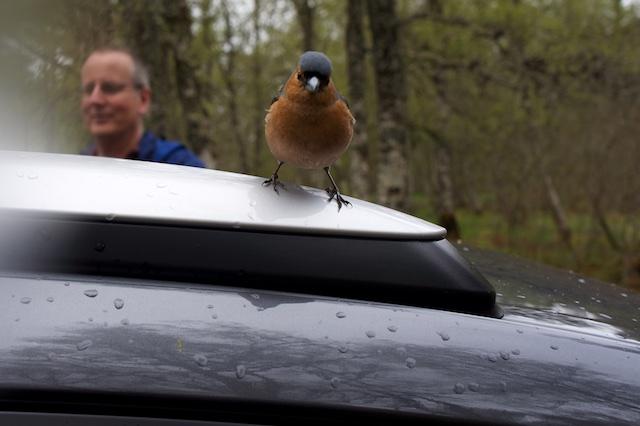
(278,95)
(346,103)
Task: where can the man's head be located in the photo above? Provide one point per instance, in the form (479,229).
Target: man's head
(115,93)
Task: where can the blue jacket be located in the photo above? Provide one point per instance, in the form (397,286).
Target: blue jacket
(152,148)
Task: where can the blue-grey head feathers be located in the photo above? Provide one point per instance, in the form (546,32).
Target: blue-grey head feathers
(315,63)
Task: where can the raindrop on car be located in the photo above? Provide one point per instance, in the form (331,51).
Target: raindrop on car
(161,185)
(25,300)
(50,299)
(473,387)
(444,336)
(335,382)
(342,349)
(370,334)
(32,176)
(124,321)
(214,316)
(91,293)
(240,371)
(516,351)
(459,388)
(200,359)
(209,306)
(341,315)
(505,355)
(118,303)
(492,358)
(554,347)
(392,328)
(67,283)
(84,345)
(410,362)
(110,217)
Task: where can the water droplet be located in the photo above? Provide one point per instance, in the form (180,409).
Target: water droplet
(50,299)
(401,351)
(91,293)
(624,295)
(605,316)
(32,176)
(110,217)
(341,315)
(252,203)
(520,296)
(459,388)
(124,321)
(100,246)
(255,296)
(519,331)
(392,328)
(240,371)
(67,283)
(465,248)
(84,345)
(370,334)
(25,300)
(250,216)
(503,386)
(20,174)
(505,355)
(214,316)
(581,280)
(516,351)
(342,349)
(118,303)
(335,382)
(90,319)
(260,309)
(209,306)
(17,319)
(161,185)
(51,356)
(410,362)
(554,347)
(444,336)
(235,225)
(473,387)
(200,359)
(492,358)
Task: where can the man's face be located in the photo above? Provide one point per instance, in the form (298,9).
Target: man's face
(111,103)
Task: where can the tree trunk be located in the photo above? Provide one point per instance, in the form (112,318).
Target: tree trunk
(444,190)
(305,10)
(259,105)
(392,176)
(232,92)
(559,216)
(359,151)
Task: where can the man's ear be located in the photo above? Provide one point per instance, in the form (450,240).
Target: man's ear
(145,100)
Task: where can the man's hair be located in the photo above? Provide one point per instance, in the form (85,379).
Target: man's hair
(140,72)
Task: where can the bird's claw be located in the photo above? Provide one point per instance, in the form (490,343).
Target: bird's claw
(273,180)
(333,193)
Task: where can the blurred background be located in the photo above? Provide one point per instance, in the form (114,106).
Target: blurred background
(513,123)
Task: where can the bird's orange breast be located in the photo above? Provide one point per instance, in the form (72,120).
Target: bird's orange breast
(305,130)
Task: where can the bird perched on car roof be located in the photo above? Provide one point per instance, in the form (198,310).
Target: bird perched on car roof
(309,125)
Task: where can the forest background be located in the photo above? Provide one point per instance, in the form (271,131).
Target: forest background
(513,123)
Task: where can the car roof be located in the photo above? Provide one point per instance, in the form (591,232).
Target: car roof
(143,191)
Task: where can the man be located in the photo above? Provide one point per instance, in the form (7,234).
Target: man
(115,98)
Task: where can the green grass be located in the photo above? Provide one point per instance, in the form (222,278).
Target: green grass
(537,239)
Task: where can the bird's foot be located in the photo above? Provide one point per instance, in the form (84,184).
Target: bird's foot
(333,193)
(273,180)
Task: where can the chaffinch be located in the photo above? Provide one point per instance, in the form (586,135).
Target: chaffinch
(309,125)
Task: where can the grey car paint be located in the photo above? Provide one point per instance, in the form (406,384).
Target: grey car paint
(176,339)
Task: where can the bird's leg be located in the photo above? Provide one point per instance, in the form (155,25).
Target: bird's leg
(334,192)
(274,179)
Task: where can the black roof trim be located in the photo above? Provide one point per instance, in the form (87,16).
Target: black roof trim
(414,273)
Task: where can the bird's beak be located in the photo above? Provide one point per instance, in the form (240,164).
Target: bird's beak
(313,84)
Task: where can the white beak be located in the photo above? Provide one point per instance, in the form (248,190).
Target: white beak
(313,84)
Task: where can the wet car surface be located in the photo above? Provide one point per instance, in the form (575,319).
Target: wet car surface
(130,342)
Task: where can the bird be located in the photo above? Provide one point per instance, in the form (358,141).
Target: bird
(309,124)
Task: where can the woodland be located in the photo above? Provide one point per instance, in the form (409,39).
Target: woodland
(512,123)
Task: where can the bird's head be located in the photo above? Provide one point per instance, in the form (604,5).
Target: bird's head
(314,71)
